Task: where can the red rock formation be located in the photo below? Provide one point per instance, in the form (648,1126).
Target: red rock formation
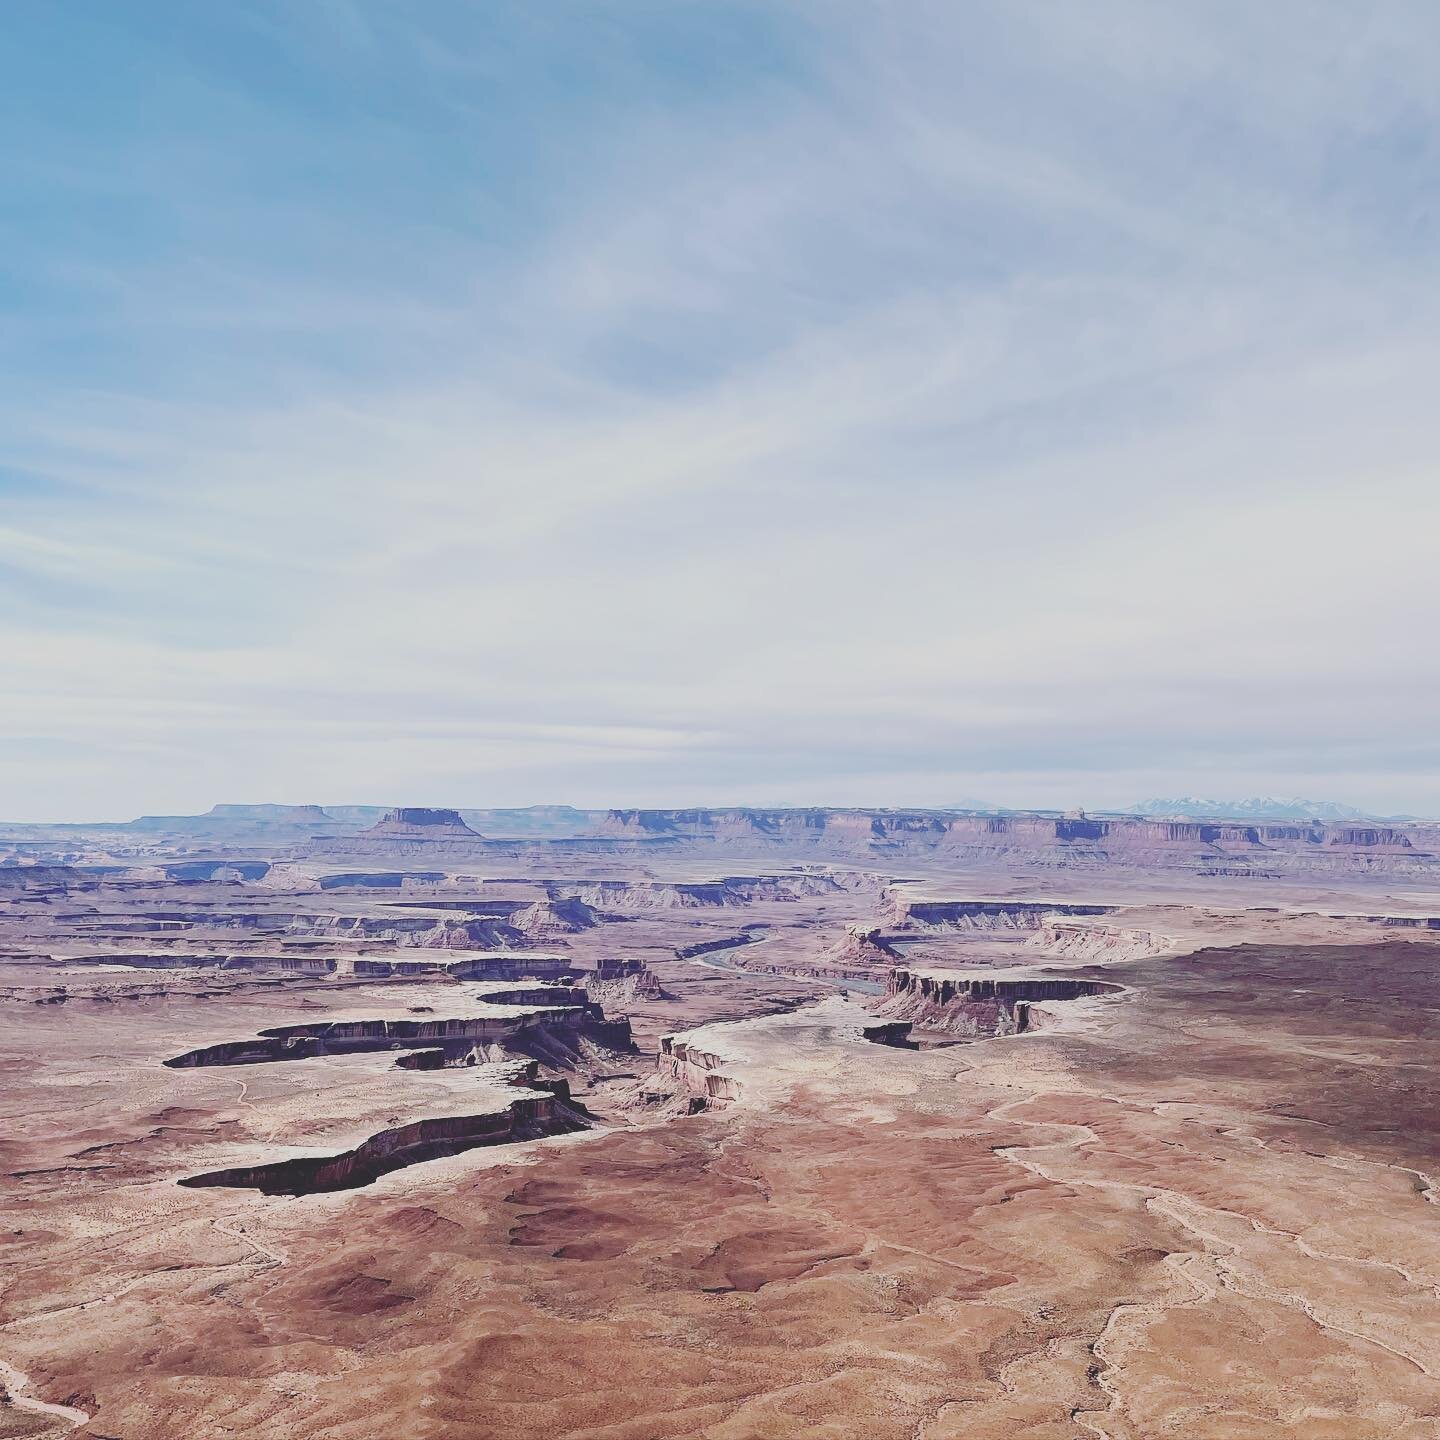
(528,1117)
(864,946)
(695,1072)
(556,1026)
(546,918)
(619,983)
(984,914)
(969,1005)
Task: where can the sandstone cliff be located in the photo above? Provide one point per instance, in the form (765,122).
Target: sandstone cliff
(976,1005)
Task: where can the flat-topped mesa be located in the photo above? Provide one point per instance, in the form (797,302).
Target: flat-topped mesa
(977,1005)
(474,965)
(291,814)
(420,823)
(1046,840)
(412,931)
(555,1024)
(532,1115)
(728,890)
(1086,940)
(984,914)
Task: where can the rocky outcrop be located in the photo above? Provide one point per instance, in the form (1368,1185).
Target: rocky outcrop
(481,965)
(556,1029)
(216,872)
(895,1033)
(426,932)
(863,946)
(528,1117)
(972,1006)
(730,890)
(982,914)
(418,823)
(547,918)
(1078,940)
(617,984)
(711,947)
(382,880)
(695,1072)
(42,879)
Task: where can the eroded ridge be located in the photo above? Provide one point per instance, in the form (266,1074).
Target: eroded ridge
(549,1027)
(980,1005)
(529,1116)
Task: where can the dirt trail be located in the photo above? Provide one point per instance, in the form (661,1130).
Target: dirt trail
(16,1382)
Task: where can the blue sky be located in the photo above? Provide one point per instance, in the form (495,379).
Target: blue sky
(671,402)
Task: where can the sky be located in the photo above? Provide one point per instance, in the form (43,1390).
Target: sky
(657,402)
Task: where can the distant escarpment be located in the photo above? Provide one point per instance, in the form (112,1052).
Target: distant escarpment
(1046,841)
(416,823)
(729,890)
(972,1006)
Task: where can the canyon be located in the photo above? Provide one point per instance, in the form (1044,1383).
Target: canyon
(342,1121)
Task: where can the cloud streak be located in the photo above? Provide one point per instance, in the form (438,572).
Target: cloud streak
(871,406)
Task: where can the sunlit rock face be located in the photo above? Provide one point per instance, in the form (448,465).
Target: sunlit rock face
(974,1005)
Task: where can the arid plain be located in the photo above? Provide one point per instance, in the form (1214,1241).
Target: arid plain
(719,1124)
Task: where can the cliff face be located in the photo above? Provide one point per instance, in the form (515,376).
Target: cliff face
(865,946)
(974,1006)
(528,1117)
(1049,841)
(983,914)
(618,983)
(695,1072)
(1079,940)
(426,932)
(556,1028)
(43,879)
(554,917)
(625,895)
(416,823)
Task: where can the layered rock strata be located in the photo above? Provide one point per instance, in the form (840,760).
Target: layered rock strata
(973,1006)
(539,1020)
(530,1116)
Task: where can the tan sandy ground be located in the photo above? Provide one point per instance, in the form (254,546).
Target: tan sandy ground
(1200,1209)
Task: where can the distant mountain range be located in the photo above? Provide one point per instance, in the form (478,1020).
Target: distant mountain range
(1256,807)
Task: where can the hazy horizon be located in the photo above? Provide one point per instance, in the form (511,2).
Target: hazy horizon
(998,806)
(671,405)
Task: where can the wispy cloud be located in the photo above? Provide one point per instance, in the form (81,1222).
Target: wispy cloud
(843,403)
